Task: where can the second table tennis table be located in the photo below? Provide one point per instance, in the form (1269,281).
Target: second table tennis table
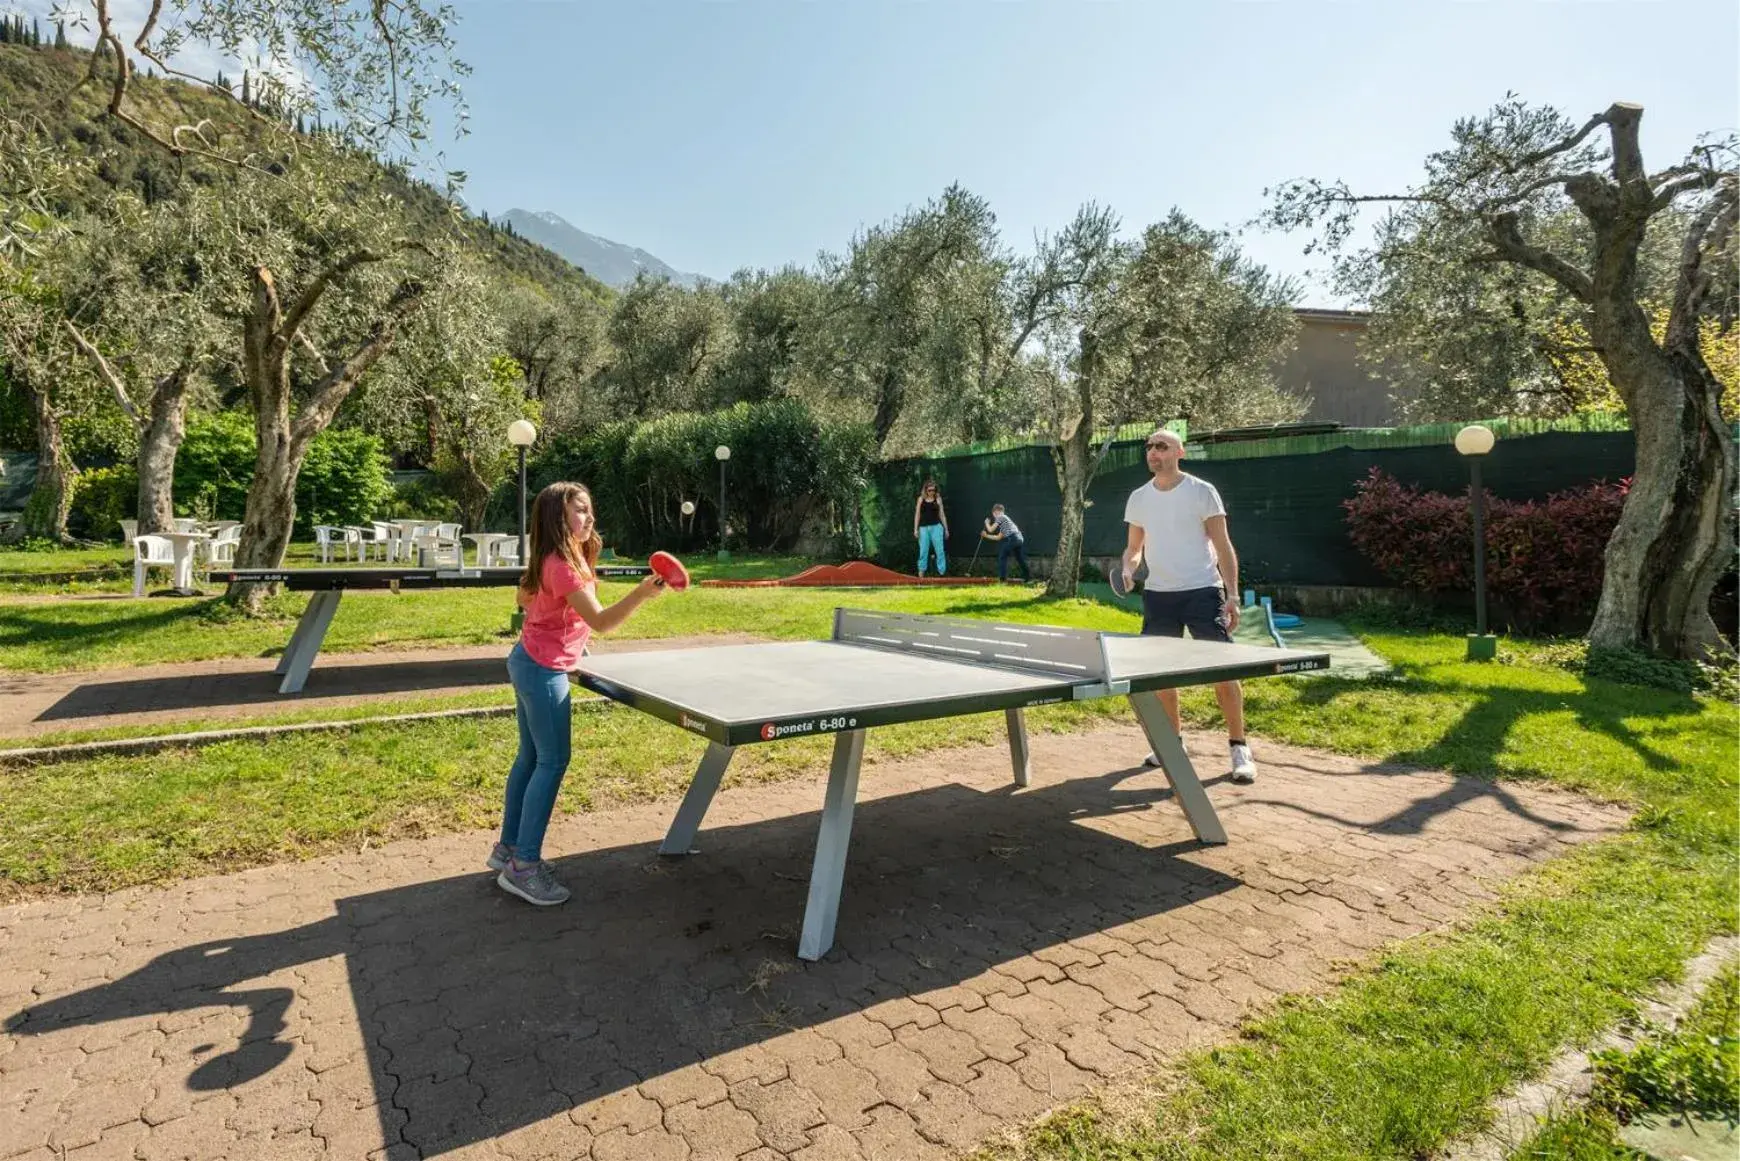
(881,668)
(329,584)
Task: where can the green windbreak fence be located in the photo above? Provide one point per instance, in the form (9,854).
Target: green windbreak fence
(1283,496)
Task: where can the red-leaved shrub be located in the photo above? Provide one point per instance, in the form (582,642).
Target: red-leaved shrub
(1543,557)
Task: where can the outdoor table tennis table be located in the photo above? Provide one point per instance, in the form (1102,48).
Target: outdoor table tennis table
(329,584)
(881,668)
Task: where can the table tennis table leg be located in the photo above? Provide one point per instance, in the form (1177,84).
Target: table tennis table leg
(1018,752)
(305,641)
(828,874)
(680,838)
(1169,748)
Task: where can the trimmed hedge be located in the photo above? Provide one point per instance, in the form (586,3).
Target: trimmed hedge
(1544,558)
(788,473)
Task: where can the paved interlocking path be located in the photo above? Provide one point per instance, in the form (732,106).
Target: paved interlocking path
(999,953)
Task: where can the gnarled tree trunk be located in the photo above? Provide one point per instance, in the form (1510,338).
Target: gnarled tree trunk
(890,401)
(269,332)
(160,432)
(45,513)
(159,444)
(1675,536)
(1073,460)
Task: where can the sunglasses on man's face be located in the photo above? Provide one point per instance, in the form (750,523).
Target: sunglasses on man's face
(1160,445)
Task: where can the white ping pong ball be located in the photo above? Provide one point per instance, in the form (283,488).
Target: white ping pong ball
(688,507)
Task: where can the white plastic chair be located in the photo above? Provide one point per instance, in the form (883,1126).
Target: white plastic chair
(378,535)
(326,536)
(129,530)
(147,551)
(186,524)
(221,549)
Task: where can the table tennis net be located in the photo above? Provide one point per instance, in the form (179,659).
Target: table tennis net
(1071,654)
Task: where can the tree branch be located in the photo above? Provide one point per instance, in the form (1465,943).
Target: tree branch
(1564,146)
(105,372)
(313,352)
(287,329)
(1518,195)
(1707,233)
(311,295)
(1507,237)
(1699,178)
(336,384)
(258,329)
(380,21)
(150,25)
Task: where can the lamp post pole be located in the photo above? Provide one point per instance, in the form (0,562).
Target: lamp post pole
(1479,547)
(521,433)
(723,455)
(1474,442)
(522,506)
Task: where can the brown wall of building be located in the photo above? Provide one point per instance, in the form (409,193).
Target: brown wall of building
(1324,367)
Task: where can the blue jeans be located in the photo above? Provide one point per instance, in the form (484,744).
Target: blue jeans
(1012,546)
(930,536)
(542,705)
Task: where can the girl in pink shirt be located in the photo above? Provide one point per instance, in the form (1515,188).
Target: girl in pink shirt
(560,599)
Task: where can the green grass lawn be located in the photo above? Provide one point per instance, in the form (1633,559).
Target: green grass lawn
(411,703)
(47,637)
(109,557)
(1408,1054)
(1691,1069)
(109,568)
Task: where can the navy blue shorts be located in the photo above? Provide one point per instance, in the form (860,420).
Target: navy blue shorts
(1202,611)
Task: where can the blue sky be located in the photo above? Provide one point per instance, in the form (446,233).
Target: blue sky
(719,134)
(734,133)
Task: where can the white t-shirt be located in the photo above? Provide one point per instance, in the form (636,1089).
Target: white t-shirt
(1175,544)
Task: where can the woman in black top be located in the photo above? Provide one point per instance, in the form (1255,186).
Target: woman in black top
(930,527)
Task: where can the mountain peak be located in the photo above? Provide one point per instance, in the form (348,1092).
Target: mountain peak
(612,263)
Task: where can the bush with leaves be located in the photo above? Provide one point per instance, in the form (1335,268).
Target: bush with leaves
(102,498)
(214,466)
(1543,557)
(786,466)
(343,480)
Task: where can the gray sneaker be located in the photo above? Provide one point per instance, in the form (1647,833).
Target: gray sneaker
(536,884)
(498,858)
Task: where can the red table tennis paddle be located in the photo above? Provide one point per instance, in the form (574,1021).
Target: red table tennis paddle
(669,570)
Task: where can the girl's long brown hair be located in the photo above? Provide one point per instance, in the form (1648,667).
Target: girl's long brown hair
(549,532)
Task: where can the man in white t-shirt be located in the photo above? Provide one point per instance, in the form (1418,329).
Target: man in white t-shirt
(1179,524)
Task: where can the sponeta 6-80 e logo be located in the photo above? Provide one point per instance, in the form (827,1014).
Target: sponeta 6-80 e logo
(770,731)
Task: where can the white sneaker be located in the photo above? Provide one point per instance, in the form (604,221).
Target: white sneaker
(1244,769)
(1150,760)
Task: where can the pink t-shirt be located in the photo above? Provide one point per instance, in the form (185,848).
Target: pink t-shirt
(554,635)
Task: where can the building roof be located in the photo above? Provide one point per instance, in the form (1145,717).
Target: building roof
(1326,314)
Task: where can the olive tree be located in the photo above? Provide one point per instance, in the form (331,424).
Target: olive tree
(1500,196)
